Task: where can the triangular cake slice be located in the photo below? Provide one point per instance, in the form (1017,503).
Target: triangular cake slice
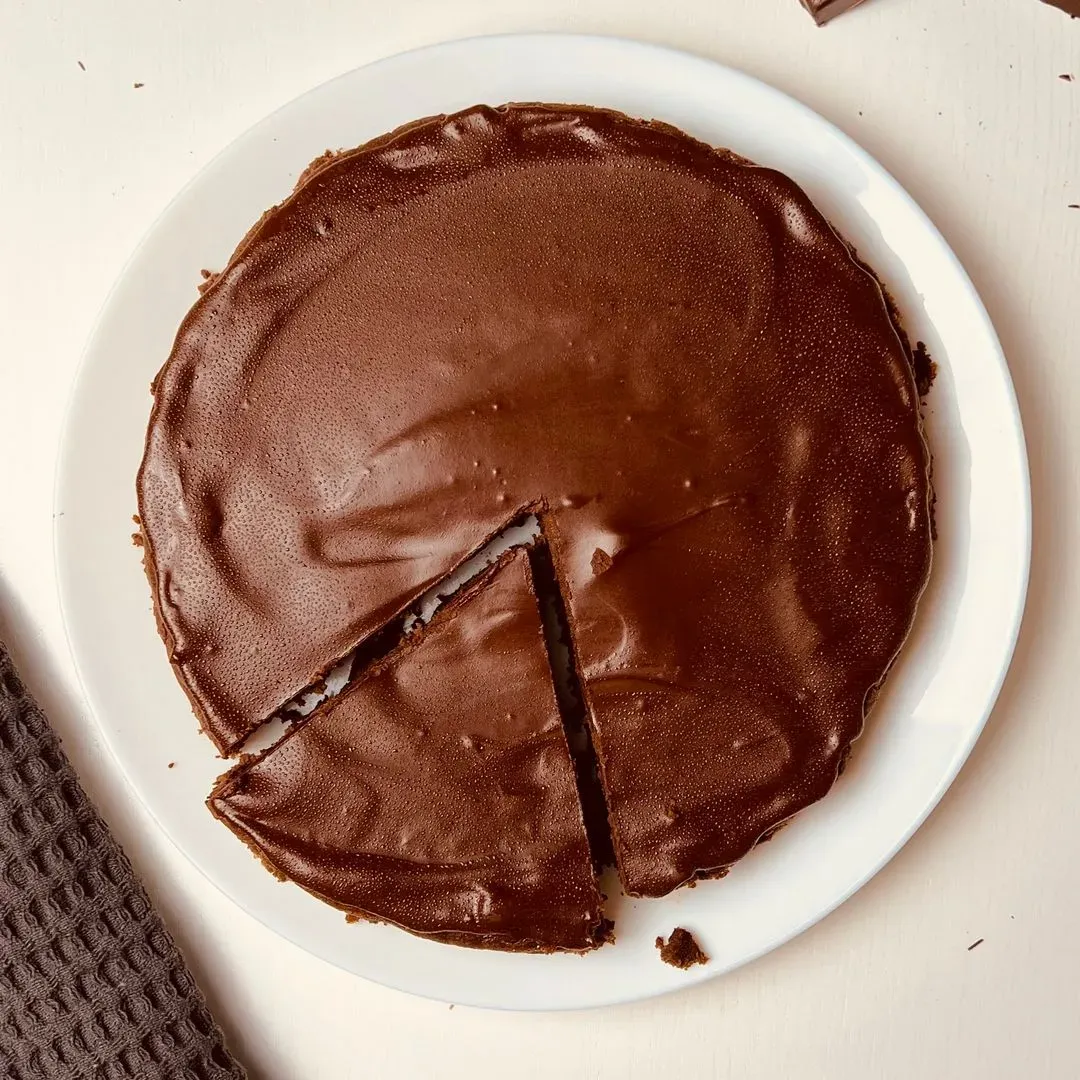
(437,792)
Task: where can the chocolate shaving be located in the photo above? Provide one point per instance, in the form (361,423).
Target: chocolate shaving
(601,561)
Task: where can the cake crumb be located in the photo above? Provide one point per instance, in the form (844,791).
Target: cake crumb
(768,834)
(138,85)
(681,950)
(172,764)
(601,561)
(924,367)
(1066,78)
(137,539)
(327,157)
(208,279)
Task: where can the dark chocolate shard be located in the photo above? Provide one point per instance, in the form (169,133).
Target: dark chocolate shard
(825,10)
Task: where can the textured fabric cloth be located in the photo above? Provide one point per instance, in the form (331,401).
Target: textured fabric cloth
(91,983)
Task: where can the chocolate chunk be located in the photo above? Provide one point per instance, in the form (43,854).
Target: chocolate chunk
(825,10)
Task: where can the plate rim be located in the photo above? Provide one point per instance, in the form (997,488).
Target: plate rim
(65,578)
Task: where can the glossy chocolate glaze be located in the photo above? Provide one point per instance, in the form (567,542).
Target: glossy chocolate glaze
(437,792)
(666,344)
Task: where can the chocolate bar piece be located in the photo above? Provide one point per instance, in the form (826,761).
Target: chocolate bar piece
(824,10)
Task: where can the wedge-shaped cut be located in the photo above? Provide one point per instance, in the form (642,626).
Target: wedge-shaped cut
(437,792)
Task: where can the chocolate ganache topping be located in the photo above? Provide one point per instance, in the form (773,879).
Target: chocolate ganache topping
(437,792)
(664,347)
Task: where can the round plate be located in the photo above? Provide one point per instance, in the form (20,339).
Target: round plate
(936,700)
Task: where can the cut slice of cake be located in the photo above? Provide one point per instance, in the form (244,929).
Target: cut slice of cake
(437,792)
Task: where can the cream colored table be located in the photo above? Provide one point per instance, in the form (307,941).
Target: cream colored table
(962,101)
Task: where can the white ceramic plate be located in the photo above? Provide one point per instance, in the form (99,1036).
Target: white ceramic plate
(936,701)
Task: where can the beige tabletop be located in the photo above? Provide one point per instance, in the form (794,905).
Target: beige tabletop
(108,106)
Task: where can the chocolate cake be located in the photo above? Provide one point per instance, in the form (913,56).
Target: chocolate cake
(437,791)
(664,348)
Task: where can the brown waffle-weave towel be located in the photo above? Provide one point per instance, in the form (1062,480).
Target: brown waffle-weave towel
(91,983)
